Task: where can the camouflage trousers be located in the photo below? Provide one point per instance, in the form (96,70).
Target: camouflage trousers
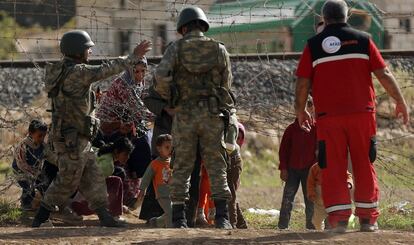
(189,127)
(77,171)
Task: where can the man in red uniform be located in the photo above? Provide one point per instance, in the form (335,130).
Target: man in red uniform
(337,63)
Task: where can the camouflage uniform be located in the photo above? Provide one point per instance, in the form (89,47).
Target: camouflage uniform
(195,74)
(73,126)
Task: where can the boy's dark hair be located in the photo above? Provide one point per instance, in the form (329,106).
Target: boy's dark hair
(37,125)
(163,138)
(122,144)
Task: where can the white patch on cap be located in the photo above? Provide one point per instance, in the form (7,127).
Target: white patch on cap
(331,44)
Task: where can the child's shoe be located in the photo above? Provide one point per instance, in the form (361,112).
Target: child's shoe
(47,224)
(26,207)
(201,218)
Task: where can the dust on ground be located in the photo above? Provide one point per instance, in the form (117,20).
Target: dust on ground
(137,234)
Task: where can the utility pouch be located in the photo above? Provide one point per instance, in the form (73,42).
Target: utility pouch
(70,137)
(226,119)
(91,127)
(175,95)
(322,154)
(373,149)
(93,100)
(226,97)
(213,105)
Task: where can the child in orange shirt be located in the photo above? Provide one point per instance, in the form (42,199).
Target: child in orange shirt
(160,173)
(315,195)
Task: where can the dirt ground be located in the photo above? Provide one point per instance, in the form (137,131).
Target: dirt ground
(89,232)
(137,234)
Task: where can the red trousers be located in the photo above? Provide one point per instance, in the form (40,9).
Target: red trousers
(336,135)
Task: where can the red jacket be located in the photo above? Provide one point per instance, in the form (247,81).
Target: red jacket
(298,148)
(339,62)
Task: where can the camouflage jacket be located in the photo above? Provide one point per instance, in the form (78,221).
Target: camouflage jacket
(196,66)
(68,84)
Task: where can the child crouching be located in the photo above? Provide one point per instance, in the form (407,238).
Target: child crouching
(109,155)
(29,165)
(160,173)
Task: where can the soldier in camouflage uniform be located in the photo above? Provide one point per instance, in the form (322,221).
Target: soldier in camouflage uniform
(195,75)
(68,84)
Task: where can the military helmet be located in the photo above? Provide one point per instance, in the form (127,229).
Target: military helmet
(189,14)
(75,42)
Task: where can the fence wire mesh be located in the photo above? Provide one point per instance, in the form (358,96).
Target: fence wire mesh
(263,85)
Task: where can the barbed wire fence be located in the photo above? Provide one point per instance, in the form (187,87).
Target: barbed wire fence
(263,84)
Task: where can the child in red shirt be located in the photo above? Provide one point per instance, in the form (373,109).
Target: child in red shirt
(297,153)
(160,173)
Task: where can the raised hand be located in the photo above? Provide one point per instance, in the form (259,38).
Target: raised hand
(142,48)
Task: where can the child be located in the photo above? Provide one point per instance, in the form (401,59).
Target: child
(139,159)
(108,156)
(206,210)
(159,172)
(233,178)
(231,133)
(296,155)
(29,165)
(315,195)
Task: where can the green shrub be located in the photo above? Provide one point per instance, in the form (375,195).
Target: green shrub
(10,213)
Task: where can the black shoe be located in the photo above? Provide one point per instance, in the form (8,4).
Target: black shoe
(310,226)
(41,216)
(152,222)
(106,219)
(367,227)
(178,216)
(26,207)
(222,215)
(282,227)
(340,227)
(283,223)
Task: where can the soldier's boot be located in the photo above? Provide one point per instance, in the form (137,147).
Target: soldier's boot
(190,212)
(222,214)
(41,216)
(178,216)
(106,219)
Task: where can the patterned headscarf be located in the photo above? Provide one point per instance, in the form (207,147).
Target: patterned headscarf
(129,77)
